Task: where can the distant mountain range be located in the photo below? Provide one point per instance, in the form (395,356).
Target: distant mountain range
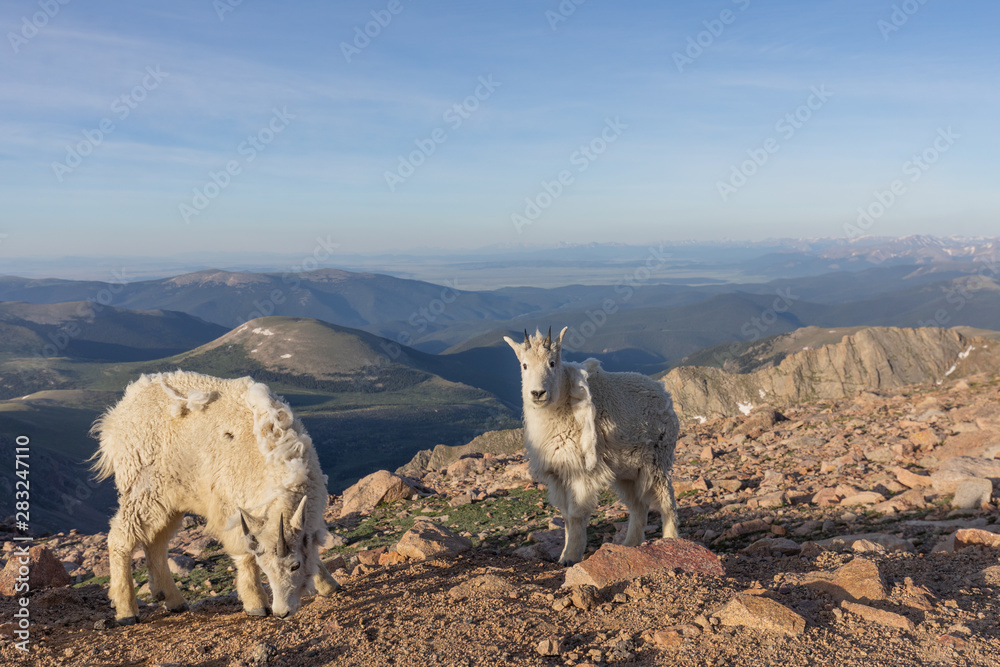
(382,366)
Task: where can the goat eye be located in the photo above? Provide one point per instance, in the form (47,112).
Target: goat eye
(552,364)
(295,566)
(524,366)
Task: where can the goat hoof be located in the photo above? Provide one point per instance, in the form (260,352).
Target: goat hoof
(179,608)
(128,620)
(259,611)
(566,562)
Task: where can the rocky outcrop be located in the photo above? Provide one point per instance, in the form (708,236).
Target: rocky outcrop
(871,359)
(509,441)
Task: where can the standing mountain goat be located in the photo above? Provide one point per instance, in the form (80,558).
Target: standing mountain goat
(585,427)
(230,451)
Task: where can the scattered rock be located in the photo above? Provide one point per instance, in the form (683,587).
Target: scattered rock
(489,585)
(887,541)
(863,498)
(428,540)
(370,556)
(779,545)
(263,653)
(880,616)
(762,613)
(614,562)
(391,558)
(549,646)
(857,581)
(181,565)
(972,494)
(957,469)
(967,537)
(585,597)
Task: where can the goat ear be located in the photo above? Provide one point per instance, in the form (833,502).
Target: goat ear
(561,334)
(300,515)
(515,346)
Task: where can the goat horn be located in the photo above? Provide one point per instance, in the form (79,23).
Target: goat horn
(243,522)
(282,544)
(527,340)
(548,339)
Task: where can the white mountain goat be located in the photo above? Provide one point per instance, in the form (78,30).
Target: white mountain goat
(585,427)
(227,450)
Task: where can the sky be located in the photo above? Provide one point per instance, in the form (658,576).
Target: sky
(159,129)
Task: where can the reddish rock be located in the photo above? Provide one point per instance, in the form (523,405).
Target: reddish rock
(368,492)
(427,540)
(968,537)
(926,438)
(857,581)
(762,613)
(956,470)
(44,571)
(614,562)
(391,558)
(371,556)
(880,616)
(745,528)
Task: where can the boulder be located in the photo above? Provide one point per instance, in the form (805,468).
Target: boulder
(761,613)
(957,469)
(614,562)
(857,581)
(44,571)
(846,542)
(428,540)
(972,493)
(368,492)
(880,616)
(968,537)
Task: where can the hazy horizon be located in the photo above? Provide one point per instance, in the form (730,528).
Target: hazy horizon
(234,127)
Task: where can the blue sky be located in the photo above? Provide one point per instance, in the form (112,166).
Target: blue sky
(665,139)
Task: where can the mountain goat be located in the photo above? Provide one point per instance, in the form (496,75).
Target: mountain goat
(585,427)
(231,452)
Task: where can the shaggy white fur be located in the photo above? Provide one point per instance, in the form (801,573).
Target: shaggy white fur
(585,428)
(230,451)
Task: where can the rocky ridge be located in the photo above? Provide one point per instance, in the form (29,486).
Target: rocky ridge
(872,359)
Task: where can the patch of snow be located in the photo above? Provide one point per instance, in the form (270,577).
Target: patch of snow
(285,356)
(745,408)
(806,348)
(253,350)
(263,332)
(701,420)
(951,370)
(963,355)
(761,392)
(242,329)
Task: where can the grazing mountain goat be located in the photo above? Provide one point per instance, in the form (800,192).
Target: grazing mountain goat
(230,451)
(585,427)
